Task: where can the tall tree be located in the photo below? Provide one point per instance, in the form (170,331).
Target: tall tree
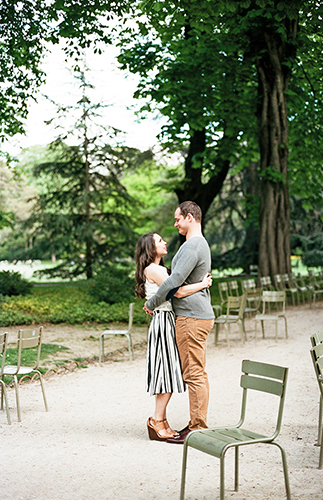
(190,76)
(258,42)
(84,216)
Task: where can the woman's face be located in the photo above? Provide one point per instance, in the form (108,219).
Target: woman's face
(160,245)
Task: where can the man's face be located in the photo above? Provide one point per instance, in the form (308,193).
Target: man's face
(181,222)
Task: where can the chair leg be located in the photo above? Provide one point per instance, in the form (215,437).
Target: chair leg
(286,328)
(222,478)
(130,348)
(321,454)
(17,398)
(183,470)
(320,420)
(101,349)
(43,389)
(226,328)
(216,333)
(236,468)
(241,331)
(263,330)
(284,460)
(4,395)
(276,323)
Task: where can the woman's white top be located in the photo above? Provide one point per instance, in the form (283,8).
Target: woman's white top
(151,289)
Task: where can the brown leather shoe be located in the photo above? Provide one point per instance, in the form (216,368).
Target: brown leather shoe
(183,430)
(179,439)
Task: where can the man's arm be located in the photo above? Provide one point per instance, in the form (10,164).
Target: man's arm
(185,263)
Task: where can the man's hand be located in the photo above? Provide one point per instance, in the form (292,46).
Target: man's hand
(148,311)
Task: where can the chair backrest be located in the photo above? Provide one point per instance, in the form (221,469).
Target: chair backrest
(266,378)
(277,297)
(316,338)
(265,282)
(254,295)
(234,288)
(278,282)
(3,349)
(224,291)
(317,358)
(27,339)
(236,305)
(131,310)
(247,284)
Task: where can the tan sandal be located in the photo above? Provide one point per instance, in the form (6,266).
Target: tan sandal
(154,427)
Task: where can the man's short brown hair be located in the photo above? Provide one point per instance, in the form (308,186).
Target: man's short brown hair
(190,207)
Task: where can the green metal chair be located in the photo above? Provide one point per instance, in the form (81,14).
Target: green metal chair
(317,338)
(234,288)
(27,339)
(290,288)
(269,379)
(224,292)
(3,349)
(265,282)
(248,284)
(126,333)
(234,315)
(317,359)
(253,300)
(277,301)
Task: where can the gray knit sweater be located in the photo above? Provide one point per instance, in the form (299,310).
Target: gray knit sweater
(189,265)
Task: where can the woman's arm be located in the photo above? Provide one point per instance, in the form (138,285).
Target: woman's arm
(154,274)
(186,290)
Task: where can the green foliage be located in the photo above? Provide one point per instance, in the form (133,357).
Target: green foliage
(72,304)
(313,258)
(84,214)
(28,356)
(26,28)
(113,285)
(12,283)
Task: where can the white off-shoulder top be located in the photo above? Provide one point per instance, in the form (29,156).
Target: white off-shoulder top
(151,289)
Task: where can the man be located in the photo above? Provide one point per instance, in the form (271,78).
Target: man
(194,314)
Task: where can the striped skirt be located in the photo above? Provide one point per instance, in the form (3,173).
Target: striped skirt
(164,372)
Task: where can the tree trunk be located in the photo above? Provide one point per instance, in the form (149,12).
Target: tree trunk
(193,189)
(274,76)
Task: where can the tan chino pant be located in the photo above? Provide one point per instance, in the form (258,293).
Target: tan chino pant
(191,338)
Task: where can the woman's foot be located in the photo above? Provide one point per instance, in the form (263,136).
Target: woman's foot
(157,430)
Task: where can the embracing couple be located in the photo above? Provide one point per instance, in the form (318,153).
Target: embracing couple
(182,320)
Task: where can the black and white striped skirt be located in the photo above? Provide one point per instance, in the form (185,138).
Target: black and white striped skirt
(164,372)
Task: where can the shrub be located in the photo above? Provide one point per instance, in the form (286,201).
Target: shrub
(113,285)
(313,258)
(12,283)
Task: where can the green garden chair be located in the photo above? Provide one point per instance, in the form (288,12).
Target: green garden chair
(273,309)
(234,288)
(234,315)
(27,339)
(3,349)
(266,284)
(317,359)
(268,379)
(290,288)
(224,292)
(126,333)
(317,338)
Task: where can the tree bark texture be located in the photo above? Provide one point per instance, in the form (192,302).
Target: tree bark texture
(274,75)
(193,189)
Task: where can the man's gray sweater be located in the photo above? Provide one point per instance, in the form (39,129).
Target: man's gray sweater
(189,265)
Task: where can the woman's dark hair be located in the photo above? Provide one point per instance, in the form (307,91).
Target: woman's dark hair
(145,255)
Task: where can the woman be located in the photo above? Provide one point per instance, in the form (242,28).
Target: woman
(163,376)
